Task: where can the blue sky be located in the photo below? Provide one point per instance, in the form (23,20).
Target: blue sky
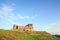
(43,14)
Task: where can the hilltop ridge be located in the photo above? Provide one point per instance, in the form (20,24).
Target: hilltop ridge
(16,35)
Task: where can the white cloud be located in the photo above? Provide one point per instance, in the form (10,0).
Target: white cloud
(6,8)
(53,28)
(22,17)
(26,17)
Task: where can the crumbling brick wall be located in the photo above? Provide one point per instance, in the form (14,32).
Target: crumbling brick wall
(28,27)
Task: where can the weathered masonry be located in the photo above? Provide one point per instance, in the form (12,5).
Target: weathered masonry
(28,27)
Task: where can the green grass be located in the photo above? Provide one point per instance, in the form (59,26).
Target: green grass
(16,35)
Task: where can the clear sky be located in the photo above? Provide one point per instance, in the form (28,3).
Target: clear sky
(43,14)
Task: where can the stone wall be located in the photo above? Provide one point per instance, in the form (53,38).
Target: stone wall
(28,27)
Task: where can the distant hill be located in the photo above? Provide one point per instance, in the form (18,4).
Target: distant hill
(57,35)
(16,35)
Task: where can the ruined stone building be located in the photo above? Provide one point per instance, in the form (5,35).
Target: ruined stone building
(28,27)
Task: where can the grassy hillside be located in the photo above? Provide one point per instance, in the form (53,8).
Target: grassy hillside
(15,35)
